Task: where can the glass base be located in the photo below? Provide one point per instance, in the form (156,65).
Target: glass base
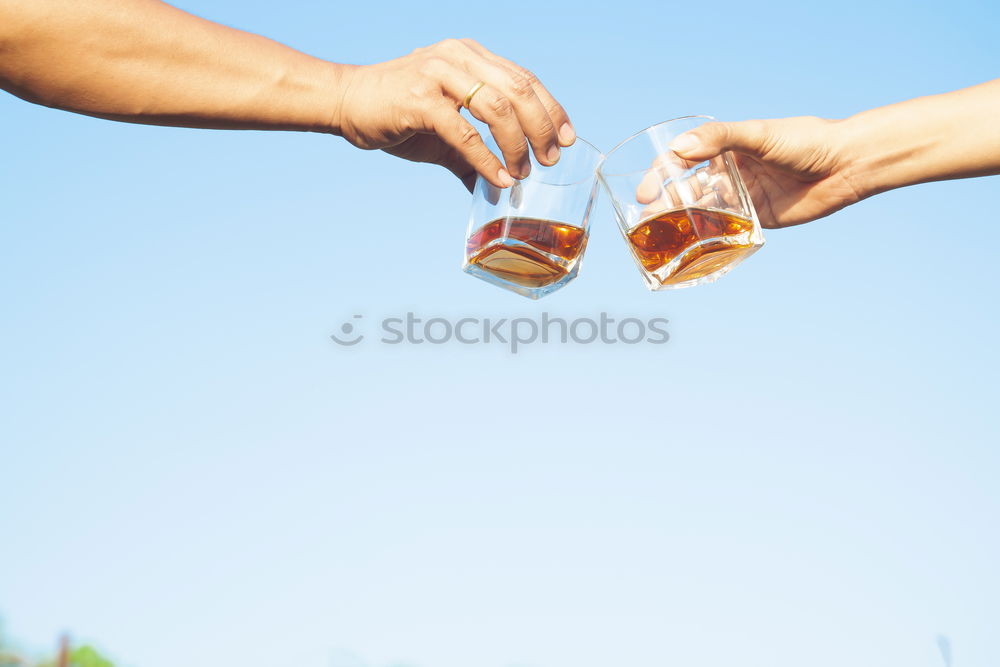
(709,267)
(536,292)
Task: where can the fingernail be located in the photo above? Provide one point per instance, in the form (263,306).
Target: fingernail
(684,144)
(553,154)
(566,134)
(504,177)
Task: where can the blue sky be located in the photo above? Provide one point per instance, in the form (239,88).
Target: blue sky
(806,474)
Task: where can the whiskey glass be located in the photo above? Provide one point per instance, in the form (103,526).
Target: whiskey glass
(685,222)
(530,238)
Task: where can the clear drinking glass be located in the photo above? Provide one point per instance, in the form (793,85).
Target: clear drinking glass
(685,222)
(530,238)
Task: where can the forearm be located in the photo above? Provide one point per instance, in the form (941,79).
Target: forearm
(953,135)
(147,62)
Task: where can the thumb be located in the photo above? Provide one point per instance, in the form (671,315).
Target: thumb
(711,139)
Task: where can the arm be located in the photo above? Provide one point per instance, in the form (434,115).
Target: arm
(144,61)
(934,138)
(801,169)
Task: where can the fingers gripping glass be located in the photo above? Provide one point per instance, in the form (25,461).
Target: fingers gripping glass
(685,222)
(530,238)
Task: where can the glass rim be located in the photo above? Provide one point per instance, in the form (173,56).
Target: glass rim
(636,135)
(592,174)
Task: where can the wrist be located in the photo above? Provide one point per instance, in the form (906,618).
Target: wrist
(302,94)
(339,81)
(332,80)
(886,149)
(860,168)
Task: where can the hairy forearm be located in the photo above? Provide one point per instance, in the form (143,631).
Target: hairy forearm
(953,135)
(147,62)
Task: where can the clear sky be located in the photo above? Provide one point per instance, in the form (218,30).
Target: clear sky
(807,474)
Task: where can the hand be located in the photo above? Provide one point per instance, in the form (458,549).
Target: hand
(796,169)
(409,107)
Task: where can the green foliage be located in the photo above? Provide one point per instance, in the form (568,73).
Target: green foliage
(87,656)
(79,656)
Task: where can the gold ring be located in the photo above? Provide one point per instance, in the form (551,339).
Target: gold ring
(473,91)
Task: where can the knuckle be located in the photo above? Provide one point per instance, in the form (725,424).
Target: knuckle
(529,76)
(518,151)
(714,131)
(451,44)
(521,85)
(555,110)
(755,130)
(468,138)
(501,106)
(546,128)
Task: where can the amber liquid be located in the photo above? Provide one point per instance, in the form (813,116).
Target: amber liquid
(526,265)
(724,239)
